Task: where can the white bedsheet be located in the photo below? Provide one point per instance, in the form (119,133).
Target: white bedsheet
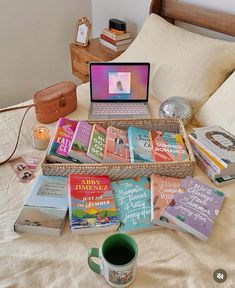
(166,258)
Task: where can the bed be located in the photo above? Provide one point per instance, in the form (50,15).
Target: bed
(166,258)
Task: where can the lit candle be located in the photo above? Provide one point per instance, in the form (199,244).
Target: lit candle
(40,137)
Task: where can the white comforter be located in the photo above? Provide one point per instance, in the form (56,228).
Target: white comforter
(166,258)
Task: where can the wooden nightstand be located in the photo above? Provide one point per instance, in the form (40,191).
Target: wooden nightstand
(94,52)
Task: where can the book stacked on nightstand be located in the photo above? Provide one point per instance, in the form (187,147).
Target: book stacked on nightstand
(116,37)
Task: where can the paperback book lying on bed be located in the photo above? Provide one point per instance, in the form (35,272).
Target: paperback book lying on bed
(213,162)
(44,211)
(219,144)
(195,209)
(163,190)
(217,179)
(132,197)
(214,150)
(91,204)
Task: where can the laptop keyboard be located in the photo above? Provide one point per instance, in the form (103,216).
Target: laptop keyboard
(119,108)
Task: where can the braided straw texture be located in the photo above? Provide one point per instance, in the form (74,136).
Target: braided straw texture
(118,171)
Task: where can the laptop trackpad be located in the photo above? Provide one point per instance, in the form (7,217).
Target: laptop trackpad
(121,116)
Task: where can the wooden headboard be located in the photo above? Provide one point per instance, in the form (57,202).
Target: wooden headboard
(173,10)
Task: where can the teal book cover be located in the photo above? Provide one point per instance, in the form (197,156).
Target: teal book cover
(132,198)
(139,145)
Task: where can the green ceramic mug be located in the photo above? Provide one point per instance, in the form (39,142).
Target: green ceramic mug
(118,254)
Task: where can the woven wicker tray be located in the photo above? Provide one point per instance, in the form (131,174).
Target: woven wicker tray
(116,171)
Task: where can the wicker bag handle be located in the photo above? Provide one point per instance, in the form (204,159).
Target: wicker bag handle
(21,123)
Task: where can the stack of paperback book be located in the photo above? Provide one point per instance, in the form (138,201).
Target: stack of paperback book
(214,148)
(117,41)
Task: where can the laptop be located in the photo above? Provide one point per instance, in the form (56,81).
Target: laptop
(119,90)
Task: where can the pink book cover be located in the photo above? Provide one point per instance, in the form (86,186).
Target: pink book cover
(61,141)
(167,146)
(79,146)
(116,146)
(163,189)
(65,135)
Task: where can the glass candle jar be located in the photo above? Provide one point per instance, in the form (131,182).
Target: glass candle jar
(40,137)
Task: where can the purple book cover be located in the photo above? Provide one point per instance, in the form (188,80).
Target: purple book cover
(83,133)
(196,208)
(80,142)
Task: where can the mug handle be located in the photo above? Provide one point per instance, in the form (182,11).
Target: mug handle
(94,252)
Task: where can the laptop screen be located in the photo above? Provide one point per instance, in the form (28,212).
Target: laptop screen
(119,81)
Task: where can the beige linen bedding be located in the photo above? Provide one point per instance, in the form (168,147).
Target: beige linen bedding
(166,258)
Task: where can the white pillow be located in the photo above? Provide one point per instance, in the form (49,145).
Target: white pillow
(183,63)
(219,109)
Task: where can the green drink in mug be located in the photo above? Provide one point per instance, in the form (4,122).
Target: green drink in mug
(118,254)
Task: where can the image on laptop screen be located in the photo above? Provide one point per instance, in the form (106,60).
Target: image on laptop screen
(119,81)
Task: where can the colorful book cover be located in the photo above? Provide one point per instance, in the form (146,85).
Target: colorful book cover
(80,142)
(116,146)
(44,211)
(202,158)
(139,145)
(218,142)
(203,163)
(163,189)
(167,146)
(97,142)
(195,210)
(217,166)
(217,179)
(61,141)
(132,197)
(91,204)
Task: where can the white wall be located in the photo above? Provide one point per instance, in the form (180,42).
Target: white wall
(35,37)
(227,6)
(34,45)
(134,12)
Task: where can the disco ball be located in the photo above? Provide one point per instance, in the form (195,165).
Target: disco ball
(176,107)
